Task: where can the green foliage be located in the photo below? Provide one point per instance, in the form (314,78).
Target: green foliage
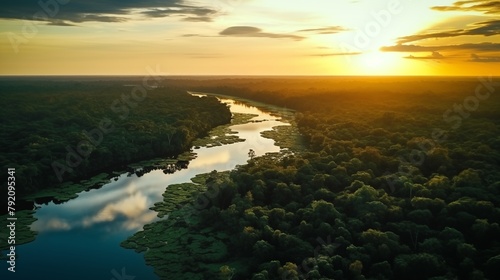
(418,266)
(377,196)
(101,123)
(24,233)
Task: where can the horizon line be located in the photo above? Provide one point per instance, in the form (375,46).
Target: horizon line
(231,75)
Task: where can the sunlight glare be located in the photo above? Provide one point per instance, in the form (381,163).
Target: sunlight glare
(373,60)
(378,63)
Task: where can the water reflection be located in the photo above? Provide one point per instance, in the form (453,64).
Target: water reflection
(239,107)
(52,224)
(132,207)
(99,219)
(212,157)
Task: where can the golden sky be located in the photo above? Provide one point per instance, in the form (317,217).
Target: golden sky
(250,37)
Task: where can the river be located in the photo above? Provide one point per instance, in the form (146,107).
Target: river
(80,239)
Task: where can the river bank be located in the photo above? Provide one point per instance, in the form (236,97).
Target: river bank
(179,247)
(99,219)
(285,136)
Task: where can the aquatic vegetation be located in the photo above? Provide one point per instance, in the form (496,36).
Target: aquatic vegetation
(180,246)
(24,234)
(379,194)
(286,136)
(176,246)
(72,130)
(70,190)
(223,135)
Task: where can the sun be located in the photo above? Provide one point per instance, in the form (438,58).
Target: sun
(377,63)
(372,60)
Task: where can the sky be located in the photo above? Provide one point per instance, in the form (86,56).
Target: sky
(250,37)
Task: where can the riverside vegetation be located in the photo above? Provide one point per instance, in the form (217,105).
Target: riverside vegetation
(401,180)
(46,119)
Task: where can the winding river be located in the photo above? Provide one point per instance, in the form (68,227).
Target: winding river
(80,239)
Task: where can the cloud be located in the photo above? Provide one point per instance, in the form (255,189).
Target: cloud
(240,30)
(408,48)
(480,47)
(218,158)
(60,23)
(487,7)
(486,28)
(131,206)
(194,35)
(78,11)
(200,12)
(138,223)
(192,14)
(325,30)
(250,31)
(198,19)
(476,58)
(53,224)
(433,55)
(100,18)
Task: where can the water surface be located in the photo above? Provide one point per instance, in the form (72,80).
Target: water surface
(80,239)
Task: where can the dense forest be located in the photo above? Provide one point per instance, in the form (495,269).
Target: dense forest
(56,130)
(401,181)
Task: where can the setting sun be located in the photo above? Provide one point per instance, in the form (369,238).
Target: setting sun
(255,37)
(375,61)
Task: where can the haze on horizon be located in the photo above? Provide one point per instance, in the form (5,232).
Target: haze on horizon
(250,37)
